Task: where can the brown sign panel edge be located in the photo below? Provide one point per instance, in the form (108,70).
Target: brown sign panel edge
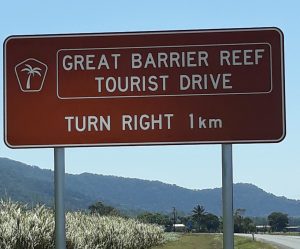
(279,31)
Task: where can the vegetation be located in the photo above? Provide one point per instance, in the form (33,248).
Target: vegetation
(29,184)
(101,209)
(193,241)
(155,218)
(278,221)
(243,224)
(211,241)
(199,221)
(294,221)
(199,217)
(21,227)
(247,243)
(25,228)
(212,222)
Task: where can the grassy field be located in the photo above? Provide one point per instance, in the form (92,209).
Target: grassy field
(207,241)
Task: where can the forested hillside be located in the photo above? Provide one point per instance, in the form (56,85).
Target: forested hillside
(31,185)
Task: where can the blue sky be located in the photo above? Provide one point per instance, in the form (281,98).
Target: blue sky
(273,167)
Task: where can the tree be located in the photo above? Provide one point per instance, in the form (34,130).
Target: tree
(248,225)
(31,72)
(243,224)
(155,218)
(238,220)
(278,221)
(212,223)
(199,216)
(102,209)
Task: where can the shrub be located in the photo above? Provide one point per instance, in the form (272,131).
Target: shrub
(25,228)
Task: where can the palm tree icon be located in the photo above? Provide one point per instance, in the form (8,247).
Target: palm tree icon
(31,72)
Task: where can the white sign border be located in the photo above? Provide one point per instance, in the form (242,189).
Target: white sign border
(152,143)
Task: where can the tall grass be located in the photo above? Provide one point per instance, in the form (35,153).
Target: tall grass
(22,228)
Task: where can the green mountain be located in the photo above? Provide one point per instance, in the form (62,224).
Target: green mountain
(31,184)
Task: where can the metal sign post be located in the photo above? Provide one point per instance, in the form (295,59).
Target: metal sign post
(227,196)
(59,185)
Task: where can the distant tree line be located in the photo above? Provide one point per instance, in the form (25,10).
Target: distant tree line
(198,221)
(276,222)
(102,209)
(202,221)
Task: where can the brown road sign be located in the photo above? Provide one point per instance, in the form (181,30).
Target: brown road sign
(173,87)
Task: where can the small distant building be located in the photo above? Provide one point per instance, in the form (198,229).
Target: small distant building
(179,227)
(293,229)
(267,228)
(263,228)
